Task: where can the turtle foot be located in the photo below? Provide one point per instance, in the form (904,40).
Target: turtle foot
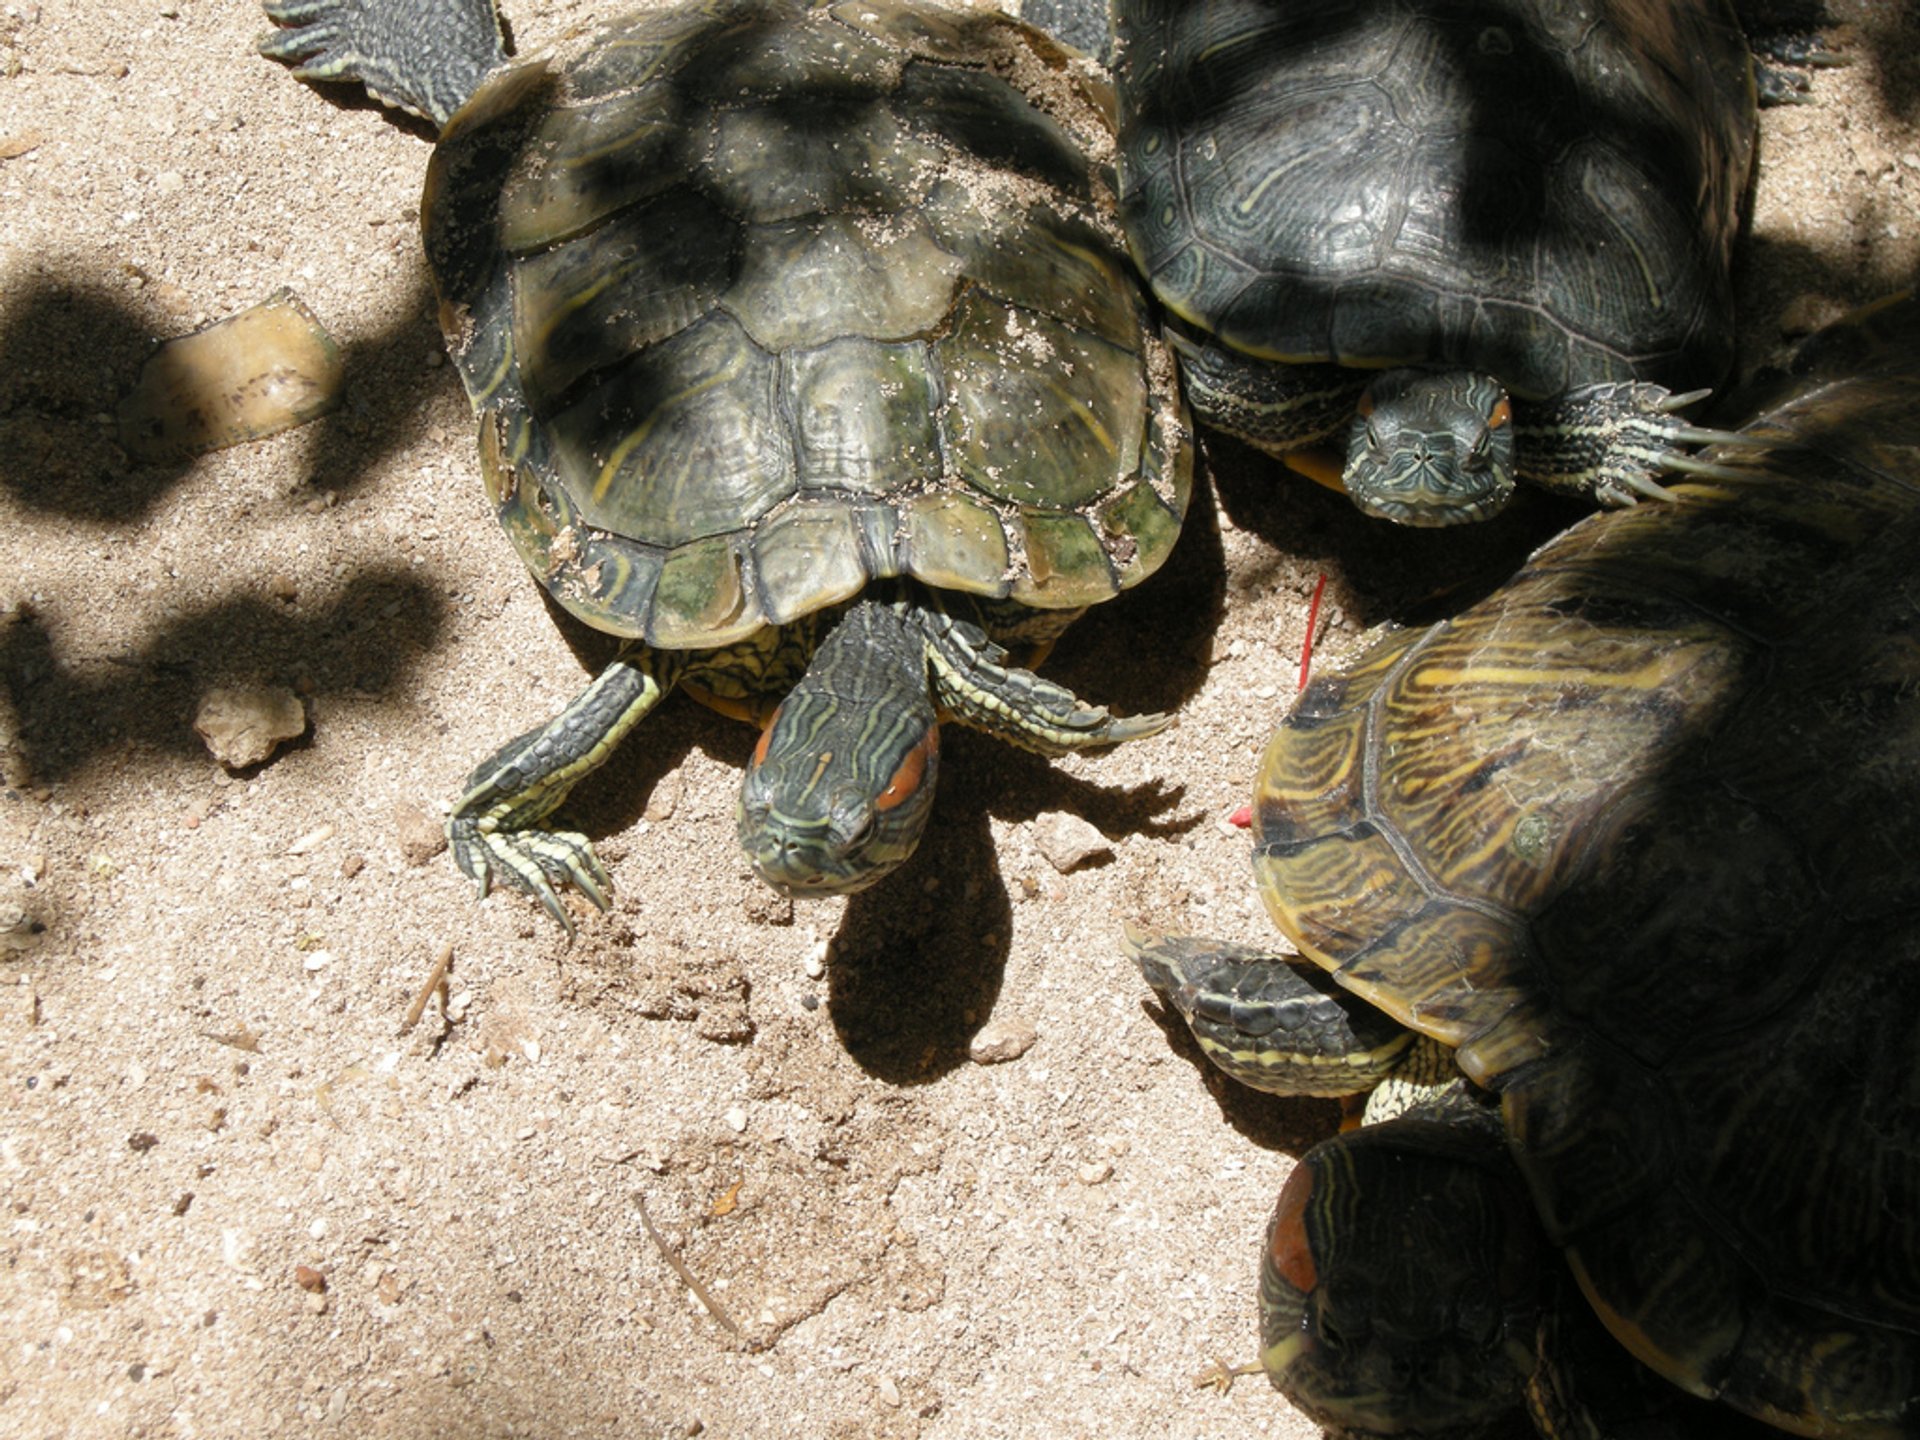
(534,861)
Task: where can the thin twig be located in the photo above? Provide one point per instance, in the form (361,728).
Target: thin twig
(435,978)
(714,1307)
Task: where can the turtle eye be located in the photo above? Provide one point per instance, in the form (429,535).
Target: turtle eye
(1373,438)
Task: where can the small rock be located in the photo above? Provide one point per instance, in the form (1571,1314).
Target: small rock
(814,962)
(889,1392)
(284,588)
(665,798)
(999,1041)
(1068,842)
(313,1281)
(419,834)
(243,726)
(1095,1172)
(737,1120)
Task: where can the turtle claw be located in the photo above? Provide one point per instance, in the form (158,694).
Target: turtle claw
(532,861)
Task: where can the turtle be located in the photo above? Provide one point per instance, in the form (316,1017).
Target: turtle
(808,358)
(1619,863)
(1466,241)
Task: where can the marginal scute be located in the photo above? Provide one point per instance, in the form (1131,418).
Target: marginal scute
(702,598)
(1138,531)
(1066,566)
(955,543)
(808,556)
(610,583)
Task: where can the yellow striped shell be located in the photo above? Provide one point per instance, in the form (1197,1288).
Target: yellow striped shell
(1638,834)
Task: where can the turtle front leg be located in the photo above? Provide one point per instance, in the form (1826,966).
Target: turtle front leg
(1606,443)
(977,688)
(495,829)
(425,60)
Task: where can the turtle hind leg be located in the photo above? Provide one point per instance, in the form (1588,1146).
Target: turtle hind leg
(975,685)
(422,56)
(1606,443)
(495,831)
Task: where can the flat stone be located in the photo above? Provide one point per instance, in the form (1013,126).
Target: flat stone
(243,726)
(999,1041)
(1068,842)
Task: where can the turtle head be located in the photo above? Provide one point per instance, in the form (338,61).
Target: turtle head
(841,784)
(1400,1287)
(1431,447)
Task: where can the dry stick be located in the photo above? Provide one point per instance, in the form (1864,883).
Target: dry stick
(714,1307)
(434,979)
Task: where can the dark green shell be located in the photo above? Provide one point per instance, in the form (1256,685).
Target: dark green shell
(760,301)
(1546,191)
(1638,834)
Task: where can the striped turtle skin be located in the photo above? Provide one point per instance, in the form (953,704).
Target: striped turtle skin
(781,319)
(1460,241)
(1635,838)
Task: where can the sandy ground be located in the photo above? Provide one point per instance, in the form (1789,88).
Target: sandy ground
(239,1202)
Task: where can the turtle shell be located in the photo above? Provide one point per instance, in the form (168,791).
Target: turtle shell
(758,302)
(1637,834)
(1545,190)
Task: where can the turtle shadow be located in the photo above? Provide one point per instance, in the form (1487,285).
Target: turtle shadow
(919,959)
(70,346)
(1377,571)
(365,640)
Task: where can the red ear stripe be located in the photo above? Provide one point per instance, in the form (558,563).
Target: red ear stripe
(766,735)
(912,771)
(1287,1243)
(1501,415)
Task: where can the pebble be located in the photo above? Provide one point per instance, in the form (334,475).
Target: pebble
(814,962)
(1095,1172)
(318,960)
(1068,842)
(889,1392)
(243,726)
(1001,1040)
(312,840)
(418,833)
(736,1120)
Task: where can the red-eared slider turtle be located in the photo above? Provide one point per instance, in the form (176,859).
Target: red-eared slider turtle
(1467,240)
(1635,839)
(805,356)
